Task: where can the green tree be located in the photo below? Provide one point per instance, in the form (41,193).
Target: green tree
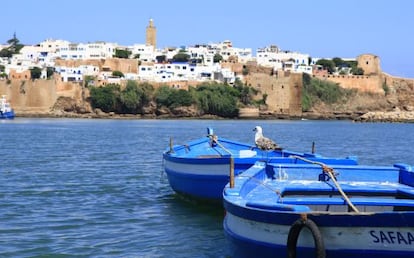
(338,62)
(14,47)
(118,74)
(181,56)
(161,58)
(217,99)
(105,98)
(172,98)
(217,58)
(50,71)
(35,72)
(357,71)
(162,96)
(327,64)
(180,98)
(352,63)
(131,98)
(5,52)
(121,53)
(148,93)
(2,72)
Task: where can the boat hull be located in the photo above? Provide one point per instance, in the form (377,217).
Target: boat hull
(7,115)
(202,178)
(201,169)
(272,214)
(250,238)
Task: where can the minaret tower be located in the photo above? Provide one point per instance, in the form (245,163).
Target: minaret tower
(151,35)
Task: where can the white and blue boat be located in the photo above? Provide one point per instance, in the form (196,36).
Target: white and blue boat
(201,168)
(6,112)
(315,210)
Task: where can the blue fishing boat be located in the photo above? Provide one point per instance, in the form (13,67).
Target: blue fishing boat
(6,112)
(201,168)
(316,210)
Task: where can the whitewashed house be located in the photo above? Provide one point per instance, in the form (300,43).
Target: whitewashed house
(146,52)
(203,53)
(69,74)
(168,52)
(146,72)
(273,57)
(226,49)
(52,45)
(75,51)
(76,74)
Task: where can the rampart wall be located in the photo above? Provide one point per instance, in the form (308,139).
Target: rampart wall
(38,96)
(365,83)
(283,92)
(113,64)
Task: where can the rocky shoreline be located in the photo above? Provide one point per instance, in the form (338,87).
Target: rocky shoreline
(395,116)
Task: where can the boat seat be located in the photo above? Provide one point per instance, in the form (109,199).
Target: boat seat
(322,187)
(247,153)
(409,191)
(368,201)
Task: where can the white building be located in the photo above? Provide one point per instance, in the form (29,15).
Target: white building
(168,52)
(203,53)
(52,46)
(167,72)
(226,49)
(183,72)
(76,73)
(98,50)
(146,52)
(273,57)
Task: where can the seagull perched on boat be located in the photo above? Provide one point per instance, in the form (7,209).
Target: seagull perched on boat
(262,142)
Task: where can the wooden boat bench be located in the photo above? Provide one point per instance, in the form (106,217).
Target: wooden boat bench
(365,193)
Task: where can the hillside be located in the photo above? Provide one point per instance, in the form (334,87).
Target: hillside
(397,104)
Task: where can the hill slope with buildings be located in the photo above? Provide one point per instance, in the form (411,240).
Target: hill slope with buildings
(379,97)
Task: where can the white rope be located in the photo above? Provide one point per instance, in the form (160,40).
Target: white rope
(331,174)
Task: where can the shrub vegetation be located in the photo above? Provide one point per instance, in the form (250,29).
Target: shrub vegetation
(315,90)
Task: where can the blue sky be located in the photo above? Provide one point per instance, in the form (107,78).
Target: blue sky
(320,28)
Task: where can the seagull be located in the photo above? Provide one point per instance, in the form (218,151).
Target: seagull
(262,142)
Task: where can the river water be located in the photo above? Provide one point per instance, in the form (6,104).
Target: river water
(95,188)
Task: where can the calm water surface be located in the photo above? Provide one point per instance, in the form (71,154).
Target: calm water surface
(95,188)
